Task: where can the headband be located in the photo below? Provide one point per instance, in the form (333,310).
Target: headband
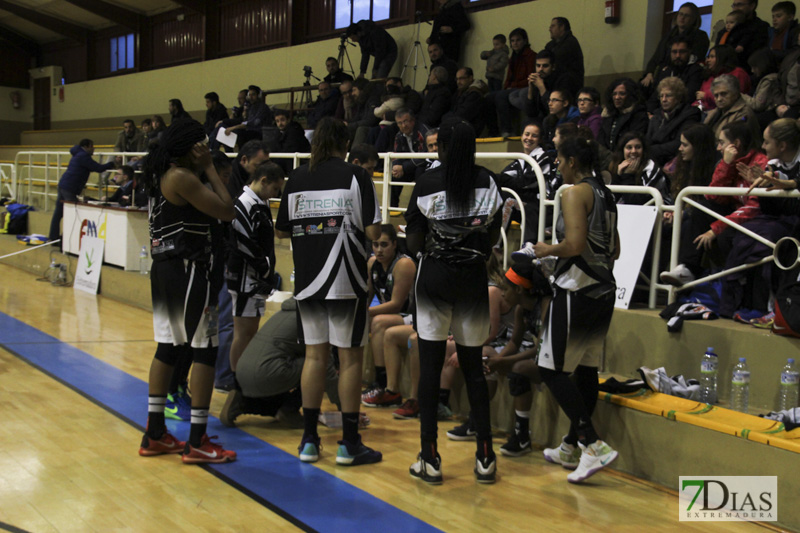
(516,279)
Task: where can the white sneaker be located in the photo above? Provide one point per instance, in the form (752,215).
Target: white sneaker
(430,473)
(594,458)
(680,275)
(524,253)
(566,455)
(486,470)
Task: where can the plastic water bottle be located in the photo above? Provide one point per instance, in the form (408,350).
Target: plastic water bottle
(708,376)
(790,385)
(143,262)
(740,386)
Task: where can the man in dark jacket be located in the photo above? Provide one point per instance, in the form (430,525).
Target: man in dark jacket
(438,59)
(679,67)
(752,34)
(436,101)
(335,74)
(291,138)
(469,103)
(251,155)
(410,138)
(449,26)
(673,116)
(566,49)
(687,24)
(325,104)
(257,115)
(74,180)
(547,78)
(215,112)
(374,41)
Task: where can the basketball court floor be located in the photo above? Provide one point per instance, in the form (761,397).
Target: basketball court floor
(73,393)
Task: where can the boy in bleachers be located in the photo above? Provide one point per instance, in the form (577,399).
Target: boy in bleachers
(728,37)
(496,62)
(784,30)
(250,268)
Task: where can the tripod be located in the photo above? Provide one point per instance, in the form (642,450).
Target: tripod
(417,51)
(343,54)
(305,99)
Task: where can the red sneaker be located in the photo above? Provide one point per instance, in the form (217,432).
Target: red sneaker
(208,452)
(383,398)
(409,409)
(166,444)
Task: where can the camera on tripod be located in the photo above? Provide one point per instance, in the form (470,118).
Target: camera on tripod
(307,71)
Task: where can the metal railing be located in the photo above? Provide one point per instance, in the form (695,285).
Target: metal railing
(8,178)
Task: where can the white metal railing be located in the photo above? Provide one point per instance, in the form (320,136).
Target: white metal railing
(683,198)
(658,202)
(8,177)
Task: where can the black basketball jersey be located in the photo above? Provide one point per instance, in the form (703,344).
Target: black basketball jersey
(179,231)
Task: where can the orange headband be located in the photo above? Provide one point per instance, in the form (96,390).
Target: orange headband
(516,279)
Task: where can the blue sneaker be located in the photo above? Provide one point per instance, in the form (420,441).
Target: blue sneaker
(309,449)
(179,405)
(356,454)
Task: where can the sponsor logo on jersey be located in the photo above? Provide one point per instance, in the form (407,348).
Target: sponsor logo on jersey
(311,229)
(297,230)
(331,222)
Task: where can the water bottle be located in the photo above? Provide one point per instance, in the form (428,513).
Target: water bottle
(291,279)
(708,376)
(790,385)
(740,386)
(143,262)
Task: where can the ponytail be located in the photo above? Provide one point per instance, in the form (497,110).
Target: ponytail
(457,150)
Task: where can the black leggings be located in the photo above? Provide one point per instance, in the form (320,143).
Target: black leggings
(431,361)
(577,397)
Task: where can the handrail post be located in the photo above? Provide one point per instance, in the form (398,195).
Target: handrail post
(387,180)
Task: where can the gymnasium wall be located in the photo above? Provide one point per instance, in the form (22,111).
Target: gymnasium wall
(609,50)
(14,121)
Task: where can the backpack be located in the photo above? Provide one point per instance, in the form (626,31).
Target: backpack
(787,311)
(16,219)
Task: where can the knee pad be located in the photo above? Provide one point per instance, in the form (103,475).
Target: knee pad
(205,356)
(168,353)
(518,384)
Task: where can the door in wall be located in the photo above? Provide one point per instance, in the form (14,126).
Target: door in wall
(41,104)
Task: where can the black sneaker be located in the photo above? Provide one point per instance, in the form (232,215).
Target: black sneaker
(515,448)
(463,432)
(430,473)
(354,454)
(486,470)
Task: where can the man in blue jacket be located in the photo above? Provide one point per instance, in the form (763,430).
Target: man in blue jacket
(74,180)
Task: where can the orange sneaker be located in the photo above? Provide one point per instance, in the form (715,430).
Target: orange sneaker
(208,452)
(166,444)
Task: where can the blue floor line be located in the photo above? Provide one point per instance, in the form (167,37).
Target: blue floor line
(302,493)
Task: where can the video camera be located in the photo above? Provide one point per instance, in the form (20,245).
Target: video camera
(307,71)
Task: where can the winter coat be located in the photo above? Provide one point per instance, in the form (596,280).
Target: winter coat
(435,104)
(520,65)
(470,105)
(593,120)
(80,166)
(738,111)
(726,175)
(708,101)
(569,56)
(699,45)
(691,76)
(767,95)
(616,124)
(496,63)
(451,14)
(752,35)
(664,132)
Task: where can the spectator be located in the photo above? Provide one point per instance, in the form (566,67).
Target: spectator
(561,111)
(566,49)
(449,26)
(335,74)
(159,127)
(691,74)
(694,164)
(633,166)
(521,64)
(721,60)
(236,118)
(767,95)
(412,98)
(364,156)
(438,59)
(730,106)
(669,120)
(784,31)
(496,62)
(410,138)
(74,180)
(752,34)
(548,77)
(739,150)
(250,157)
(215,112)
(685,24)
(256,115)
(731,20)
(374,41)
(323,296)
(176,110)
(124,182)
(382,136)
(344,111)
(325,105)
(469,103)
(623,113)
(363,115)
(250,265)
(437,99)
(130,139)
(291,139)
(590,110)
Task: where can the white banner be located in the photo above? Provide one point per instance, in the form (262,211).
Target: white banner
(728,498)
(635,224)
(90,263)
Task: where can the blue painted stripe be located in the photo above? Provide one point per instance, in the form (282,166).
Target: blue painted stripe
(302,493)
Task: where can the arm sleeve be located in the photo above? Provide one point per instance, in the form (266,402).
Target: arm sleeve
(371,212)
(724,176)
(283,223)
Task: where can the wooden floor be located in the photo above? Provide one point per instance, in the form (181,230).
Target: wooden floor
(68,464)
